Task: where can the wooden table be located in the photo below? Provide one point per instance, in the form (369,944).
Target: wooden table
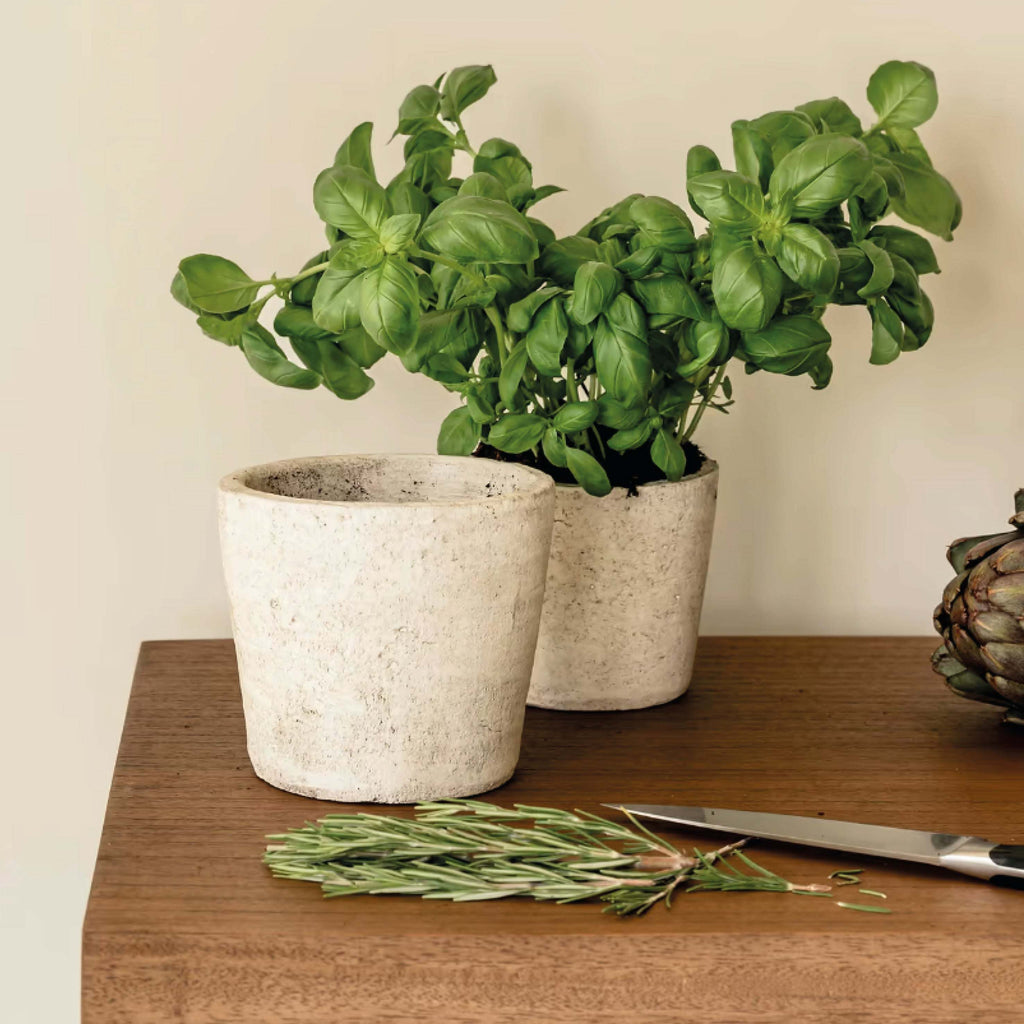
(185,924)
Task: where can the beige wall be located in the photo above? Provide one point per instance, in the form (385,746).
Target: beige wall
(145,131)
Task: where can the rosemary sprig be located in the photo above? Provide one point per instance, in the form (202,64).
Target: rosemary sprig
(465,850)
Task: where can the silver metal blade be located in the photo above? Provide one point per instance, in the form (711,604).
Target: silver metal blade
(873,840)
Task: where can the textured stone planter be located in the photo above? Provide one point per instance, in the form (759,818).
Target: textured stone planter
(624,593)
(385,612)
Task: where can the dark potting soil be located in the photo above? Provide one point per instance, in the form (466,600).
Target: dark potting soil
(630,469)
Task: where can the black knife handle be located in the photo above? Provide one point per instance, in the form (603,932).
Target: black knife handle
(1011,860)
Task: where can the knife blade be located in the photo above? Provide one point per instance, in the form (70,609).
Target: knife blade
(1000,863)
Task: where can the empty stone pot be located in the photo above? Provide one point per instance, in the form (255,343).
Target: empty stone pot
(624,594)
(385,612)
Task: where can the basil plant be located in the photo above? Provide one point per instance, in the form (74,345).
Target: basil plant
(596,355)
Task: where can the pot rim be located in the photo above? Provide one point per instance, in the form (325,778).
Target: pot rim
(531,483)
(709,467)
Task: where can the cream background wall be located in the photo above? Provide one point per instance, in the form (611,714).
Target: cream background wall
(139,132)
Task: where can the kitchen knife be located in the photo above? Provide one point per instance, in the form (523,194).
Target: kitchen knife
(1000,863)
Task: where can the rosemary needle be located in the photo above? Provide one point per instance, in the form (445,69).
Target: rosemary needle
(865,907)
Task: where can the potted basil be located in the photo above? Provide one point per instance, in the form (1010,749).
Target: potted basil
(596,355)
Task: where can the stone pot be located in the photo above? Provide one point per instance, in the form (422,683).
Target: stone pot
(624,593)
(385,612)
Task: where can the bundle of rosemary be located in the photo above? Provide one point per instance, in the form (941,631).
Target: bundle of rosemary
(472,850)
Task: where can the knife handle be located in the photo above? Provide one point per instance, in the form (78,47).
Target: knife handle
(1010,861)
(1000,864)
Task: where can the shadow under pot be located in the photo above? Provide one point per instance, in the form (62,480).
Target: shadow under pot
(624,594)
(385,613)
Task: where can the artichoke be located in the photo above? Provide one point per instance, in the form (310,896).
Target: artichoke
(981,619)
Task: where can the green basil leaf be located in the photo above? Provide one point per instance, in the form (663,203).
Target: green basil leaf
(459,434)
(930,201)
(914,248)
(729,200)
(807,257)
(882,272)
(594,287)
(543,234)
(588,472)
(700,160)
(480,407)
(820,174)
(512,371)
(621,355)
(302,292)
(475,229)
(217,285)
(834,114)
(618,213)
(446,369)
(361,347)
(466,339)
(791,345)
(438,330)
(909,142)
(421,104)
(356,254)
(348,198)
(855,271)
(639,263)
(226,330)
(428,160)
(579,338)
(342,375)
(356,150)
(903,93)
(337,298)
(517,433)
(294,321)
(398,231)
(704,340)
(667,455)
(389,304)
(873,196)
(917,314)
(753,155)
(576,416)
(747,286)
(266,358)
(669,299)
(561,259)
(663,223)
(521,313)
(886,333)
(179,292)
(463,87)
(821,372)
(617,415)
(546,338)
(481,183)
(405,197)
(541,193)
(554,448)
(676,399)
(632,437)
(783,130)
(505,161)
(613,249)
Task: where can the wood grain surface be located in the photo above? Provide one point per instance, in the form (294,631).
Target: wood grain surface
(185,924)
